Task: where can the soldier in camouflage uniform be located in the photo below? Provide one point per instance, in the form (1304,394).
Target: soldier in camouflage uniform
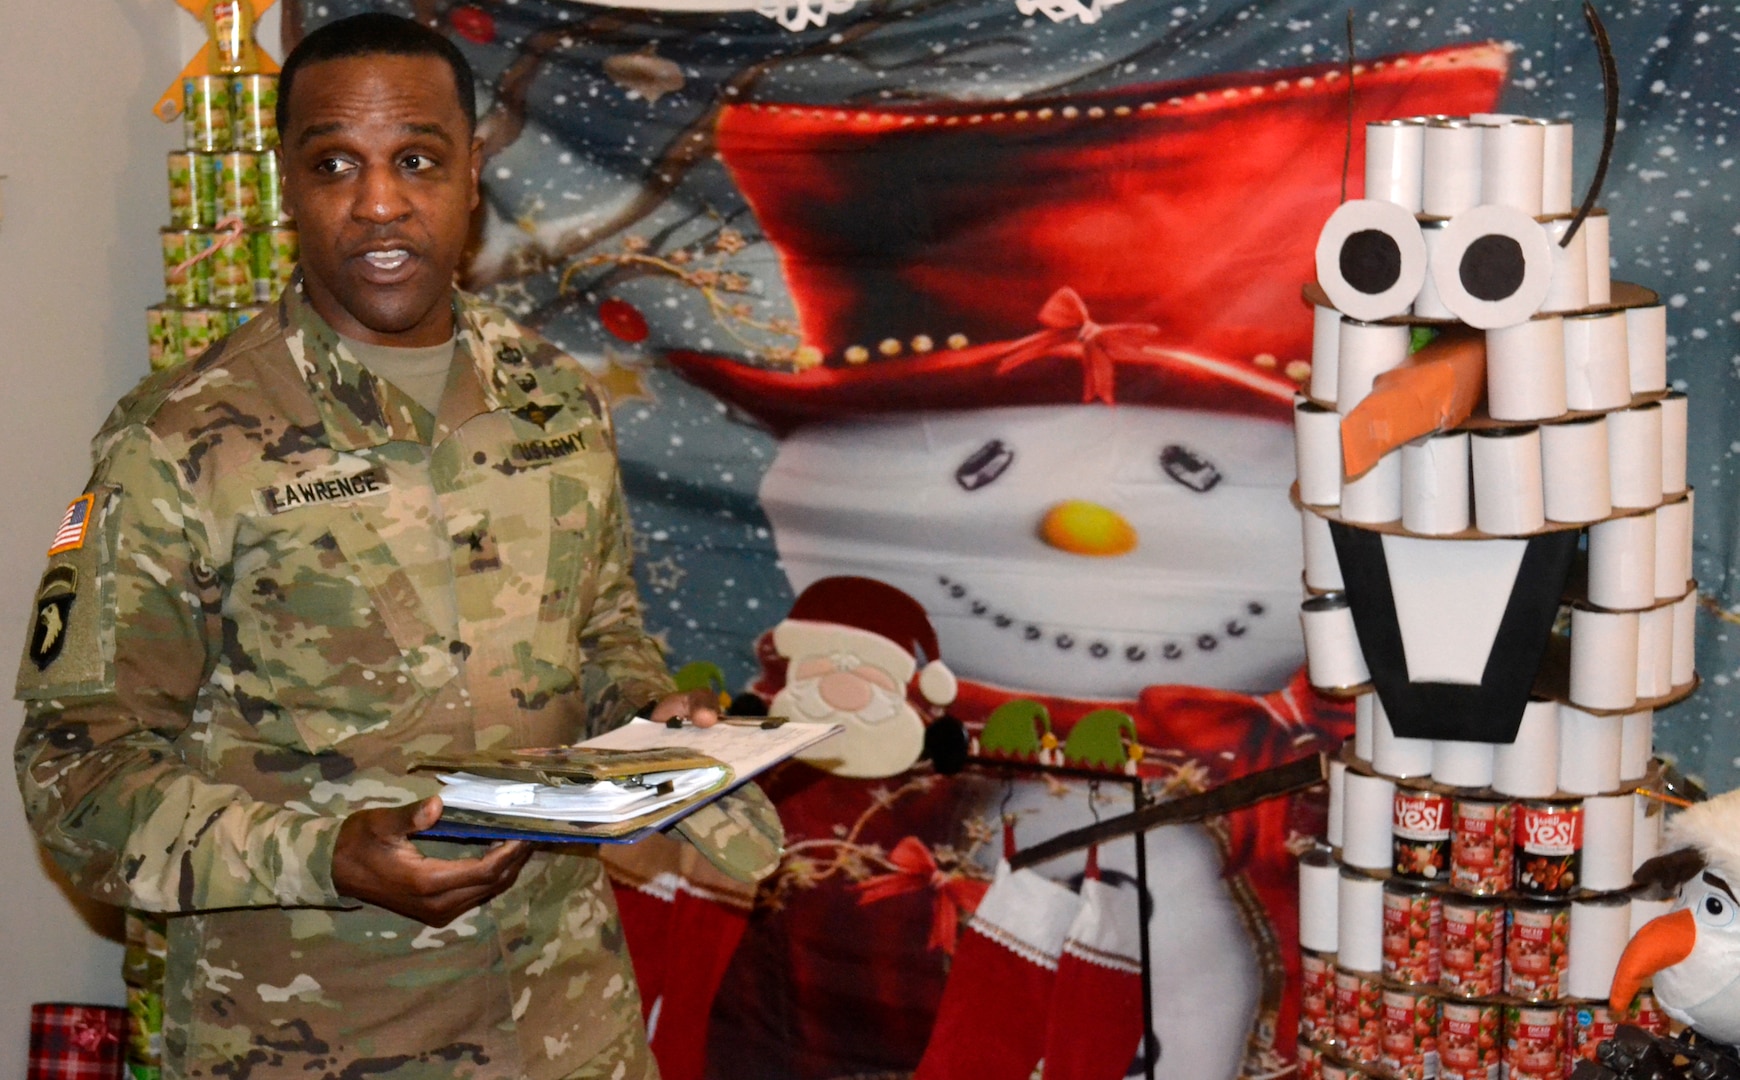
(285,583)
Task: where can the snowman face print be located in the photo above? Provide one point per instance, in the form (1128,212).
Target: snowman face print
(1082,550)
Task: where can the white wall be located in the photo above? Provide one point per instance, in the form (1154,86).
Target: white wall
(83,198)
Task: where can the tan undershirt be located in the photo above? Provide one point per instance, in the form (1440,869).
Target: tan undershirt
(420,372)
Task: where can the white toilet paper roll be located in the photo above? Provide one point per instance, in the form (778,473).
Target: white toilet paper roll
(1599,931)
(1376,497)
(1636,744)
(1599,246)
(1332,656)
(1673,443)
(1512,160)
(1607,821)
(1508,496)
(1452,167)
(1365,825)
(1528,767)
(1393,755)
(1574,470)
(1644,912)
(1319,897)
(1337,803)
(1435,484)
(1556,176)
(1366,350)
(1325,349)
(1622,563)
(1647,821)
(1365,710)
(1462,764)
(1588,751)
(1525,370)
(1597,368)
(1570,288)
(1655,652)
(1685,639)
(1646,347)
(1673,548)
(1603,660)
(1360,930)
(1322,570)
(1428,304)
(1634,456)
(1317,452)
(1394,154)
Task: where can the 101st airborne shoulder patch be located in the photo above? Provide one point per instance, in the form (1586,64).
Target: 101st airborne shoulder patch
(53,613)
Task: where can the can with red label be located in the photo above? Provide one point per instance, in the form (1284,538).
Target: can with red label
(1471,960)
(1549,848)
(1310,1061)
(1482,860)
(1316,997)
(1410,1033)
(1420,827)
(1534,1042)
(1413,931)
(1339,1070)
(1535,955)
(1470,1040)
(1586,1024)
(1646,1014)
(1358,1003)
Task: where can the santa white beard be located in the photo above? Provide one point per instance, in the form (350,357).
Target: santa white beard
(926,503)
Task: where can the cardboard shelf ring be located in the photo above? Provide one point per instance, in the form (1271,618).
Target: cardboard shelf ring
(1624,295)
(1394,528)
(1480,421)
(1577,594)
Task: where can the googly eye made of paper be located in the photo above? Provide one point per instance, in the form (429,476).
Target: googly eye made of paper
(1371,259)
(1493,266)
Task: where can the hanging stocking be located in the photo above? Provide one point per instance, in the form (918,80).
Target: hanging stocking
(990,1024)
(682,920)
(1094,1028)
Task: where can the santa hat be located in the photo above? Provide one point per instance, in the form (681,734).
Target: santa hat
(1134,245)
(873,621)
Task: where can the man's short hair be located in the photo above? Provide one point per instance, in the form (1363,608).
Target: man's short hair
(376,34)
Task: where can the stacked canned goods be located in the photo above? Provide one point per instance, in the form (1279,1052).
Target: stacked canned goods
(142,971)
(230,247)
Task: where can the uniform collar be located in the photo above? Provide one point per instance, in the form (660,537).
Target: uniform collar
(360,410)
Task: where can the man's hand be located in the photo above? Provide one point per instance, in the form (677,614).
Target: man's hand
(698,707)
(374,862)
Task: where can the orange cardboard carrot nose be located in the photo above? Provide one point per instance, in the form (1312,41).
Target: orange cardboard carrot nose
(1435,390)
(1661,943)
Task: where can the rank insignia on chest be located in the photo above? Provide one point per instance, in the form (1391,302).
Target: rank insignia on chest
(74,526)
(316,489)
(54,601)
(537,413)
(549,449)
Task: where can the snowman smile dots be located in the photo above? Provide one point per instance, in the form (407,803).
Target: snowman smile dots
(1064,641)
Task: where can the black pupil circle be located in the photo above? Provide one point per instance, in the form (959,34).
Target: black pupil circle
(1492,268)
(1713,905)
(1371,261)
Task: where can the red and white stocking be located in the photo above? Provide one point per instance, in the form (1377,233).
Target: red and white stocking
(990,1023)
(1094,1027)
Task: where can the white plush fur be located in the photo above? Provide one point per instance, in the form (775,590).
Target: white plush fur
(1713,828)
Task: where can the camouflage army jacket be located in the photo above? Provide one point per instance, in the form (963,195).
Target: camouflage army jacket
(284,584)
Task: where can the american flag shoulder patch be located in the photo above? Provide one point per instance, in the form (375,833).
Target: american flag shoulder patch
(74,527)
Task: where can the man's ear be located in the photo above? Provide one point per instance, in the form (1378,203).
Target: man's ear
(476,170)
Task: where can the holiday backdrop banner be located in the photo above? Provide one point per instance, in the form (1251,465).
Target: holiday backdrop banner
(996,303)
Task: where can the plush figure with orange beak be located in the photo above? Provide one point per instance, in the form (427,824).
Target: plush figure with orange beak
(1693,952)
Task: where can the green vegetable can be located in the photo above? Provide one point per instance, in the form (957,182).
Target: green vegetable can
(275,252)
(205,112)
(254,103)
(193,183)
(185,285)
(199,328)
(232,274)
(270,191)
(163,327)
(239,186)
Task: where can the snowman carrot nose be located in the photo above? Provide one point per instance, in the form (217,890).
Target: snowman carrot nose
(1084,528)
(1661,943)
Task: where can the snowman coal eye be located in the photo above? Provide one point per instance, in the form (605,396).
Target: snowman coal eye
(1492,266)
(1371,259)
(1715,910)
(984,465)
(1189,468)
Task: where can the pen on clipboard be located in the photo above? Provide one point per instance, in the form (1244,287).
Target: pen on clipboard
(766,723)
